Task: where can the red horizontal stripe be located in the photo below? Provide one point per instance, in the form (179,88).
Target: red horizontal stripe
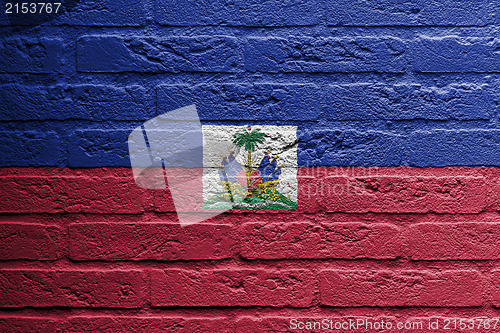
(349,190)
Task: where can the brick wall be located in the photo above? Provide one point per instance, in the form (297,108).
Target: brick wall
(411,88)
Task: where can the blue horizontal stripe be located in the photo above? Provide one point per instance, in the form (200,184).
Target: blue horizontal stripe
(57,145)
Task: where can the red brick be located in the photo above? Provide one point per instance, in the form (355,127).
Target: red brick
(232,287)
(398,194)
(305,240)
(453,288)
(30,241)
(121,324)
(444,241)
(495,281)
(158,241)
(72,194)
(44,288)
(30,324)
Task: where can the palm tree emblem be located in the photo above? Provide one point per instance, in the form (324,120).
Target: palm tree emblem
(250,139)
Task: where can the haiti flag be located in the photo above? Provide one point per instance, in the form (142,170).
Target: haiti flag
(249,166)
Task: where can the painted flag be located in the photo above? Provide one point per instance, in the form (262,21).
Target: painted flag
(250,166)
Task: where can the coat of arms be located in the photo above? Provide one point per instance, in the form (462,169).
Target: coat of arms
(252,173)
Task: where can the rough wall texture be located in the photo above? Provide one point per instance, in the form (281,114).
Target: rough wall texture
(404,96)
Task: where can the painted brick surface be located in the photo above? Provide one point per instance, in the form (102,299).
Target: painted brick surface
(408,101)
(30,148)
(27,324)
(248,13)
(46,194)
(104,241)
(467,241)
(45,288)
(31,55)
(31,241)
(406,288)
(415,13)
(325,55)
(232,287)
(447,147)
(105,13)
(350,148)
(81,101)
(302,240)
(157,55)
(421,194)
(455,54)
(82,152)
(310,102)
(396,106)
(265,101)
